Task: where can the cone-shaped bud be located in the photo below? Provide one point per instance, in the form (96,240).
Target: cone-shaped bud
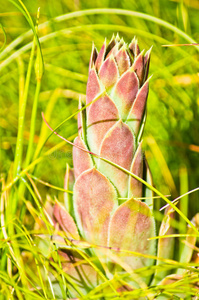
(110,127)
(107,215)
(116,97)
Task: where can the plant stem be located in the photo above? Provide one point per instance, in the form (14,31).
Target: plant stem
(21,119)
(32,126)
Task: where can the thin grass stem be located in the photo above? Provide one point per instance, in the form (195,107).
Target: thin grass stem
(22,109)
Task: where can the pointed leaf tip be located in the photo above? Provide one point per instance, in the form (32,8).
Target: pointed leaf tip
(65,221)
(100,57)
(147,58)
(93,57)
(122,60)
(125,92)
(110,46)
(134,48)
(137,110)
(138,67)
(93,87)
(108,72)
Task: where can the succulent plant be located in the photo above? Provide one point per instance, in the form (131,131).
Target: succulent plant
(108,221)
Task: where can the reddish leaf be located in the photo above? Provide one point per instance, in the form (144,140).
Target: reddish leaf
(100,57)
(125,92)
(122,60)
(82,160)
(138,67)
(137,111)
(130,228)
(108,72)
(113,51)
(102,115)
(93,87)
(117,146)
(94,200)
(65,221)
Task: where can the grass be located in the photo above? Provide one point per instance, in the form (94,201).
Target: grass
(44,62)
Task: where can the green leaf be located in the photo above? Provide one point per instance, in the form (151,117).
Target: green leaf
(68,185)
(165,245)
(135,186)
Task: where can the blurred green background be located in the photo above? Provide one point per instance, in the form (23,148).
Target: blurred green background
(172,128)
